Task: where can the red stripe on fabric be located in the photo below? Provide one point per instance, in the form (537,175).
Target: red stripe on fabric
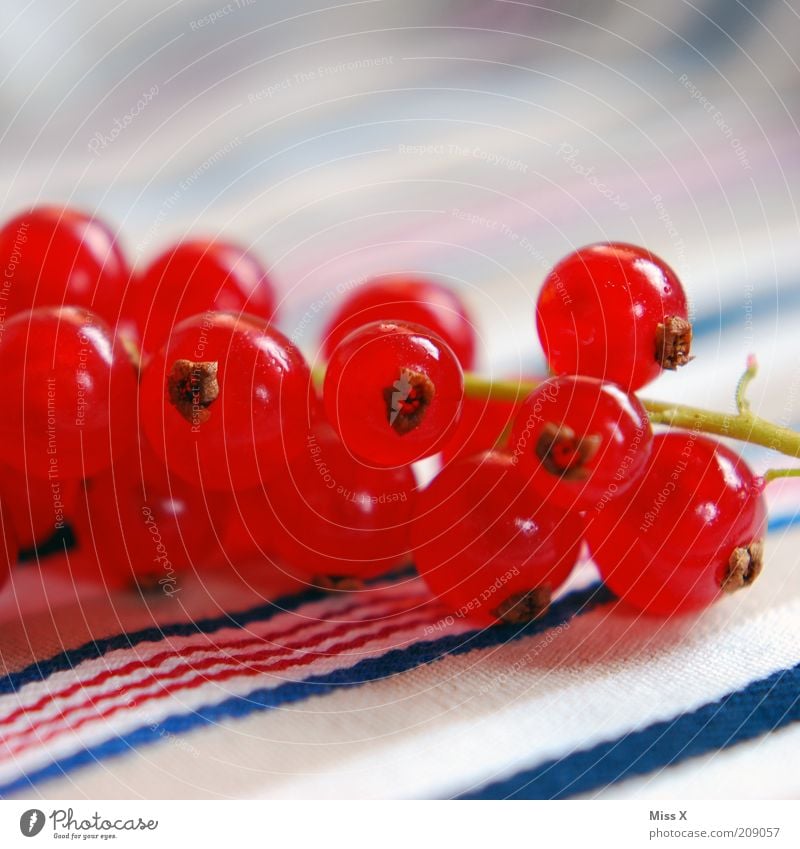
(258,663)
(134,665)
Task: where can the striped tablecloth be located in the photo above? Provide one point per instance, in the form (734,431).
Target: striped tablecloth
(478,142)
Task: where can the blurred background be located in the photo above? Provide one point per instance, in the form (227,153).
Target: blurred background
(477,140)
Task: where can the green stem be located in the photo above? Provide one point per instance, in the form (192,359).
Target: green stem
(774,474)
(476,386)
(742,404)
(744,425)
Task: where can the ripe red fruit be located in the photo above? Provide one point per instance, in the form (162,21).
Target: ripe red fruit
(37,508)
(406,299)
(249,532)
(9,547)
(147,529)
(67,382)
(225,400)
(690,531)
(53,256)
(482,424)
(488,546)
(581,441)
(393,392)
(330,518)
(616,312)
(196,276)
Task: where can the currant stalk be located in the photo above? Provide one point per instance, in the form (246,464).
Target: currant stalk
(743,425)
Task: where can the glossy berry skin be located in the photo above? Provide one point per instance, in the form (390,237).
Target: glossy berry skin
(225,400)
(196,276)
(37,508)
(581,441)
(616,312)
(146,529)
(249,532)
(484,422)
(54,256)
(393,392)
(690,531)
(67,384)
(329,518)
(406,299)
(488,546)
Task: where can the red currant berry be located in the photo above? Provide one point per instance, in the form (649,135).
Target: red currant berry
(483,425)
(147,529)
(332,518)
(250,531)
(9,547)
(197,276)
(581,441)
(225,400)
(66,383)
(61,257)
(616,312)
(393,392)
(691,530)
(411,300)
(37,508)
(488,546)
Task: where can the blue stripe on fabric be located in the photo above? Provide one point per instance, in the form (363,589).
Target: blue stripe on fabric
(70,658)
(758,309)
(761,707)
(717,29)
(370,669)
(780,523)
(394,662)
(40,670)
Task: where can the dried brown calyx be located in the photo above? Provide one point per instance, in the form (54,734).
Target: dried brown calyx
(407,400)
(192,388)
(744,566)
(564,453)
(673,342)
(520,608)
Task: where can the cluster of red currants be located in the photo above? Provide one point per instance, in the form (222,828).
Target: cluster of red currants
(163,417)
